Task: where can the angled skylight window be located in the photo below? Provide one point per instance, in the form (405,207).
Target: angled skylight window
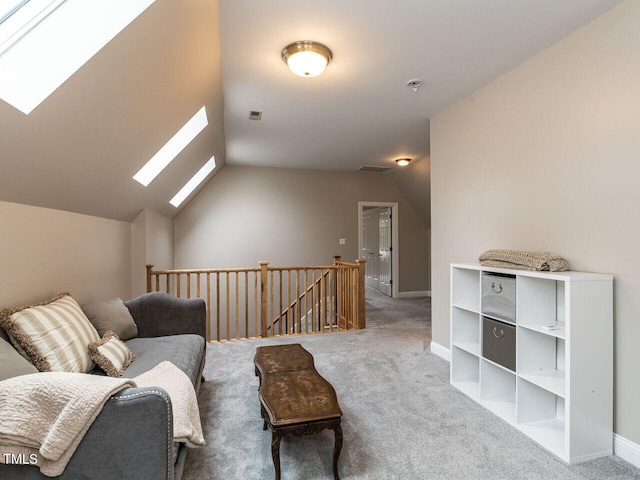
(18,17)
(172,148)
(44,42)
(192,184)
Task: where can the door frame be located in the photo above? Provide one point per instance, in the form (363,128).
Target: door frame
(394,239)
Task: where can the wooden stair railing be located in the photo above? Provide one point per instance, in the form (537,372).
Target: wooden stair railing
(242,302)
(298,302)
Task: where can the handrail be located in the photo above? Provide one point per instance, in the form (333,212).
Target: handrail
(241,302)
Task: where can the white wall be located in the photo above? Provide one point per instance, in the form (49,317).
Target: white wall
(44,252)
(546,158)
(292,217)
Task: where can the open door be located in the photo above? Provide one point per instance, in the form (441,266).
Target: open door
(376,248)
(384,249)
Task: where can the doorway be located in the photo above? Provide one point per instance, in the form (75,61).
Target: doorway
(377,240)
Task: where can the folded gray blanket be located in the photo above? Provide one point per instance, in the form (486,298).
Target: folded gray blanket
(523,260)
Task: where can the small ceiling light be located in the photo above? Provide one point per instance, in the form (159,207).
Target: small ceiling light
(306,58)
(403,162)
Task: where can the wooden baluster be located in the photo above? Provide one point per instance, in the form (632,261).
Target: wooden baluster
(323,298)
(228,310)
(283,325)
(255,304)
(290,318)
(298,307)
(149,267)
(272,317)
(360,323)
(246,304)
(178,285)
(197,285)
(306,300)
(237,274)
(313,301)
(188,285)
(208,307)
(218,306)
(263,297)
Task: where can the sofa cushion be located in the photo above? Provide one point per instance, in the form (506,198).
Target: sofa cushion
(53,335)
(111,354)
(12,364)
(184,351)
(111,315)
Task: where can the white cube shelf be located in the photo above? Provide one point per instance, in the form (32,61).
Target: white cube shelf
(561,394)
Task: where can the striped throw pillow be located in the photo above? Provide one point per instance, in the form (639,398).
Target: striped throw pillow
(53,335)
(111,354)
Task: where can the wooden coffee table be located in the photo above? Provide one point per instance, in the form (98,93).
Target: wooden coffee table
(295,399)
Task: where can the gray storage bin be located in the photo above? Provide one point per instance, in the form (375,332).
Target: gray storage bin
(499,296)
(499,342)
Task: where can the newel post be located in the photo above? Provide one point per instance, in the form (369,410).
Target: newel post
(336,259)
(361,293)
(149,267)
(263,297)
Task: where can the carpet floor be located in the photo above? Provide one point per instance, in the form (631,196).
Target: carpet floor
(401,417)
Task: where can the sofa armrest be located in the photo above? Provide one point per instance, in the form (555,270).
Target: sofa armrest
(132,437)
(158,314)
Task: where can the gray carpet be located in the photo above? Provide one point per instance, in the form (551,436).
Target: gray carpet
(402,419)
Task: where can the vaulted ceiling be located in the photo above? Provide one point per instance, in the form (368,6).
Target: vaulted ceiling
(78,150)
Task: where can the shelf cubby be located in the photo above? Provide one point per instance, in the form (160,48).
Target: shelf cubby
(466,295)
(465,372)
(466,331)
(498,390)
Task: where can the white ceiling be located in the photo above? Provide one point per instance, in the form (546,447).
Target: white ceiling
(78,150)
(360,111)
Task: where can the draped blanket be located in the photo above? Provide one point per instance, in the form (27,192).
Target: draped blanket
(44,416)
(186,415)
(523,260)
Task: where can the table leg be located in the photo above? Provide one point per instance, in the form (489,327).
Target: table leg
(336,450)
(275,453)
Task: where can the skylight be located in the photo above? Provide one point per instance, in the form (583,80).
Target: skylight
(17,17)
(44,42)
(191,185)
(172,148)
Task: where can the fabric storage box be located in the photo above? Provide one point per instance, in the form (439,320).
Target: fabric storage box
(499,296)
(499,342)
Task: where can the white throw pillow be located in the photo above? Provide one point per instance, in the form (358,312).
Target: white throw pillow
(53,335)
(111,354)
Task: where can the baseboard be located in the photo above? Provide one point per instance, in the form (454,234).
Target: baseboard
(419,293)
(626,450)
(439,350)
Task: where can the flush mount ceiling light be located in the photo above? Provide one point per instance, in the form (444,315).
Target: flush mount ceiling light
(403,162)
(306,58)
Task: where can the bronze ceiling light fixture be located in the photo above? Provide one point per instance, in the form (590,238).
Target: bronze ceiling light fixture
(307,58)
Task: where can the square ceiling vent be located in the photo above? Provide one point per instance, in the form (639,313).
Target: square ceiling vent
(373,169)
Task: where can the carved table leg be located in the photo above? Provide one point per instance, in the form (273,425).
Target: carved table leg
(275,452)
(336,450)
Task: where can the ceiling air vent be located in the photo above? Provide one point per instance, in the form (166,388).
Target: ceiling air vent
(255,115)
(373,169)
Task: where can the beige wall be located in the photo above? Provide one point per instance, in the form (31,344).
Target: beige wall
(546,158)
(45,252)
(151,244)
(292,217)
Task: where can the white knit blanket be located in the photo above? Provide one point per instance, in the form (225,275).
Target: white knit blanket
(186,415)
(44,416)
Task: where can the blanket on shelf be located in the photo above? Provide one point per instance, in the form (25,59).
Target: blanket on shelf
(44,416)
(523,260)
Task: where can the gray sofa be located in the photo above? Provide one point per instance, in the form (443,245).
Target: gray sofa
(132,437)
